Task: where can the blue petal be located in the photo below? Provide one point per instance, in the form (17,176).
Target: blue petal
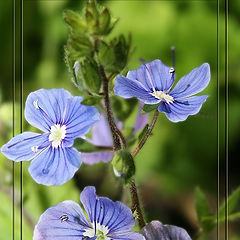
(121,220)
(101,134)
(180,110)
(141,119)
(96,157)
(192,83)
(129,236)
(25,146)
(153,75)
(78,119)
(128,88)
(55,166)
(45,107)
(114,215)
(64,221)
(156,230)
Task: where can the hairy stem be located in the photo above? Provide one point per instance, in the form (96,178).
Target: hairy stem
(118,138)
(136,204)
(112,124)
(146,136)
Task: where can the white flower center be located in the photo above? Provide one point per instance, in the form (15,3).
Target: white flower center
(57,134)
(101,232)
(162,95)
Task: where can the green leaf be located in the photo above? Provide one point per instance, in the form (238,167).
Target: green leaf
(90,74)
(143,132)
(104,21)
(233,203)
(123,165)
(91,100)
(83,146)
(203,211)
(234,216)
(74,21)
(149,107)
(123,107)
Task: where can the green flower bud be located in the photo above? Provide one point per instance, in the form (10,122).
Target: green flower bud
(123,165)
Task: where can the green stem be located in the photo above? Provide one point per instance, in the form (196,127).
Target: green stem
(146,136)
(136,204)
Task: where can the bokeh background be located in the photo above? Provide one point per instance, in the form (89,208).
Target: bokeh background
(178,157)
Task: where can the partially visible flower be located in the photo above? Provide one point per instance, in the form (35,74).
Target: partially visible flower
(151,83)
(155,230)
(101,219)
(101,136)
(62,118)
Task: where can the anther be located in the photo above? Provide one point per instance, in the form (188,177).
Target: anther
(34,148)
(35,104)
(64,218)
(172,70)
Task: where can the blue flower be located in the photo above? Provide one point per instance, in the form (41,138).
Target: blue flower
(62,118)
(151,83)
(101,219)
(155,230)
(101,136)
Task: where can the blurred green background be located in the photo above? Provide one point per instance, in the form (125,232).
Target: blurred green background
(178,157)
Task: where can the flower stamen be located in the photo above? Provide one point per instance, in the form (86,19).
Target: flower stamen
(163,95)
(57,134)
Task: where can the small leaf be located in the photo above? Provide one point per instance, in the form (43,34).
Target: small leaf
(206,221)
(91,100)
(234,216)
(233,203)
(149,107)
(143,132)
(84,146)
(74,21)
(123,107)
(123,165)
(104,21)
(89,70)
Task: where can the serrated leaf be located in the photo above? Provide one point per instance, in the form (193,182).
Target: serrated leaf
(91,77)
(91,100)
(149,107)
(74,21)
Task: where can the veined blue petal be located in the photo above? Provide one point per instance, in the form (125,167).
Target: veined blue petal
(88,199)
(45,107)
(116,216)
(96,157)
(128,88)
(192,83)
(79,118)
(153,75)
(122,219)
(181,109)
(64,221)
(25,146)
(156,231)
(129,236)
(141,119)
(55,166)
